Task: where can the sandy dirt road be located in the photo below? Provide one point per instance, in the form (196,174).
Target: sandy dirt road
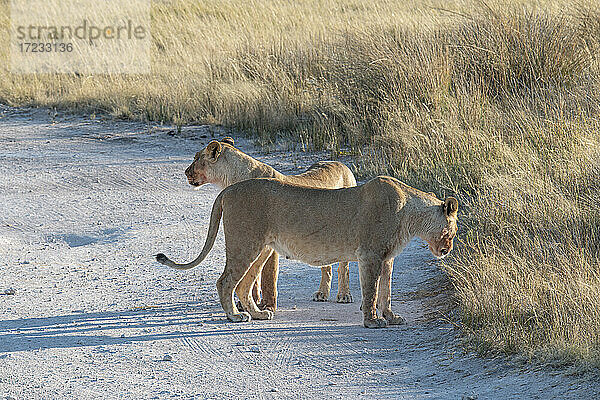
(86,313)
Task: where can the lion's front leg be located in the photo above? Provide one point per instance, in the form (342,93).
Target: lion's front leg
(370,272)
(325,287)
(384,296)
(344,295)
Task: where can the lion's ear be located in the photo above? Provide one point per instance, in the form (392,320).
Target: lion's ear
(228,140)
(213,151)
(450,206)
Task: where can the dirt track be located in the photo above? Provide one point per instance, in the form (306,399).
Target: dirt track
(86,203)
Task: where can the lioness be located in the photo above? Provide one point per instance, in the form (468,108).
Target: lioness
(370,223)
(221,164)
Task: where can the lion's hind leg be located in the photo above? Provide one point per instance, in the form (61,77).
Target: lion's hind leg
(256,292)
(244,288)
(239,261)
(225,286)
(268,285)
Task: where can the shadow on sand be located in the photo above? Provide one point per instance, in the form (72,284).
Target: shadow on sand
(130,326)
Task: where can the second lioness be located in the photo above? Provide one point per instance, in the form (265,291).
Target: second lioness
(221,164)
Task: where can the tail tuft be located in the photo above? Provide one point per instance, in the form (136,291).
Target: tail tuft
(161,258)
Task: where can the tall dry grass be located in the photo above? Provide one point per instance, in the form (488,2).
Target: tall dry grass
(495,103)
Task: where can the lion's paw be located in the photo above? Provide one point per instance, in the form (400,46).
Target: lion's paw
(394,319)
(240,317)
(240,306)
(320,296)
(265,314)
(344,298)
(375,323)
(269,307)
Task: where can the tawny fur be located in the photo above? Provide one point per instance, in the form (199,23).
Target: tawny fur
(221,164)
(370,223)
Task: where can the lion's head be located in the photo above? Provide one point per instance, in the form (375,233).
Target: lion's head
(443,228)
(205,168)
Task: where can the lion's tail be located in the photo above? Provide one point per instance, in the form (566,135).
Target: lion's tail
(213,228)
